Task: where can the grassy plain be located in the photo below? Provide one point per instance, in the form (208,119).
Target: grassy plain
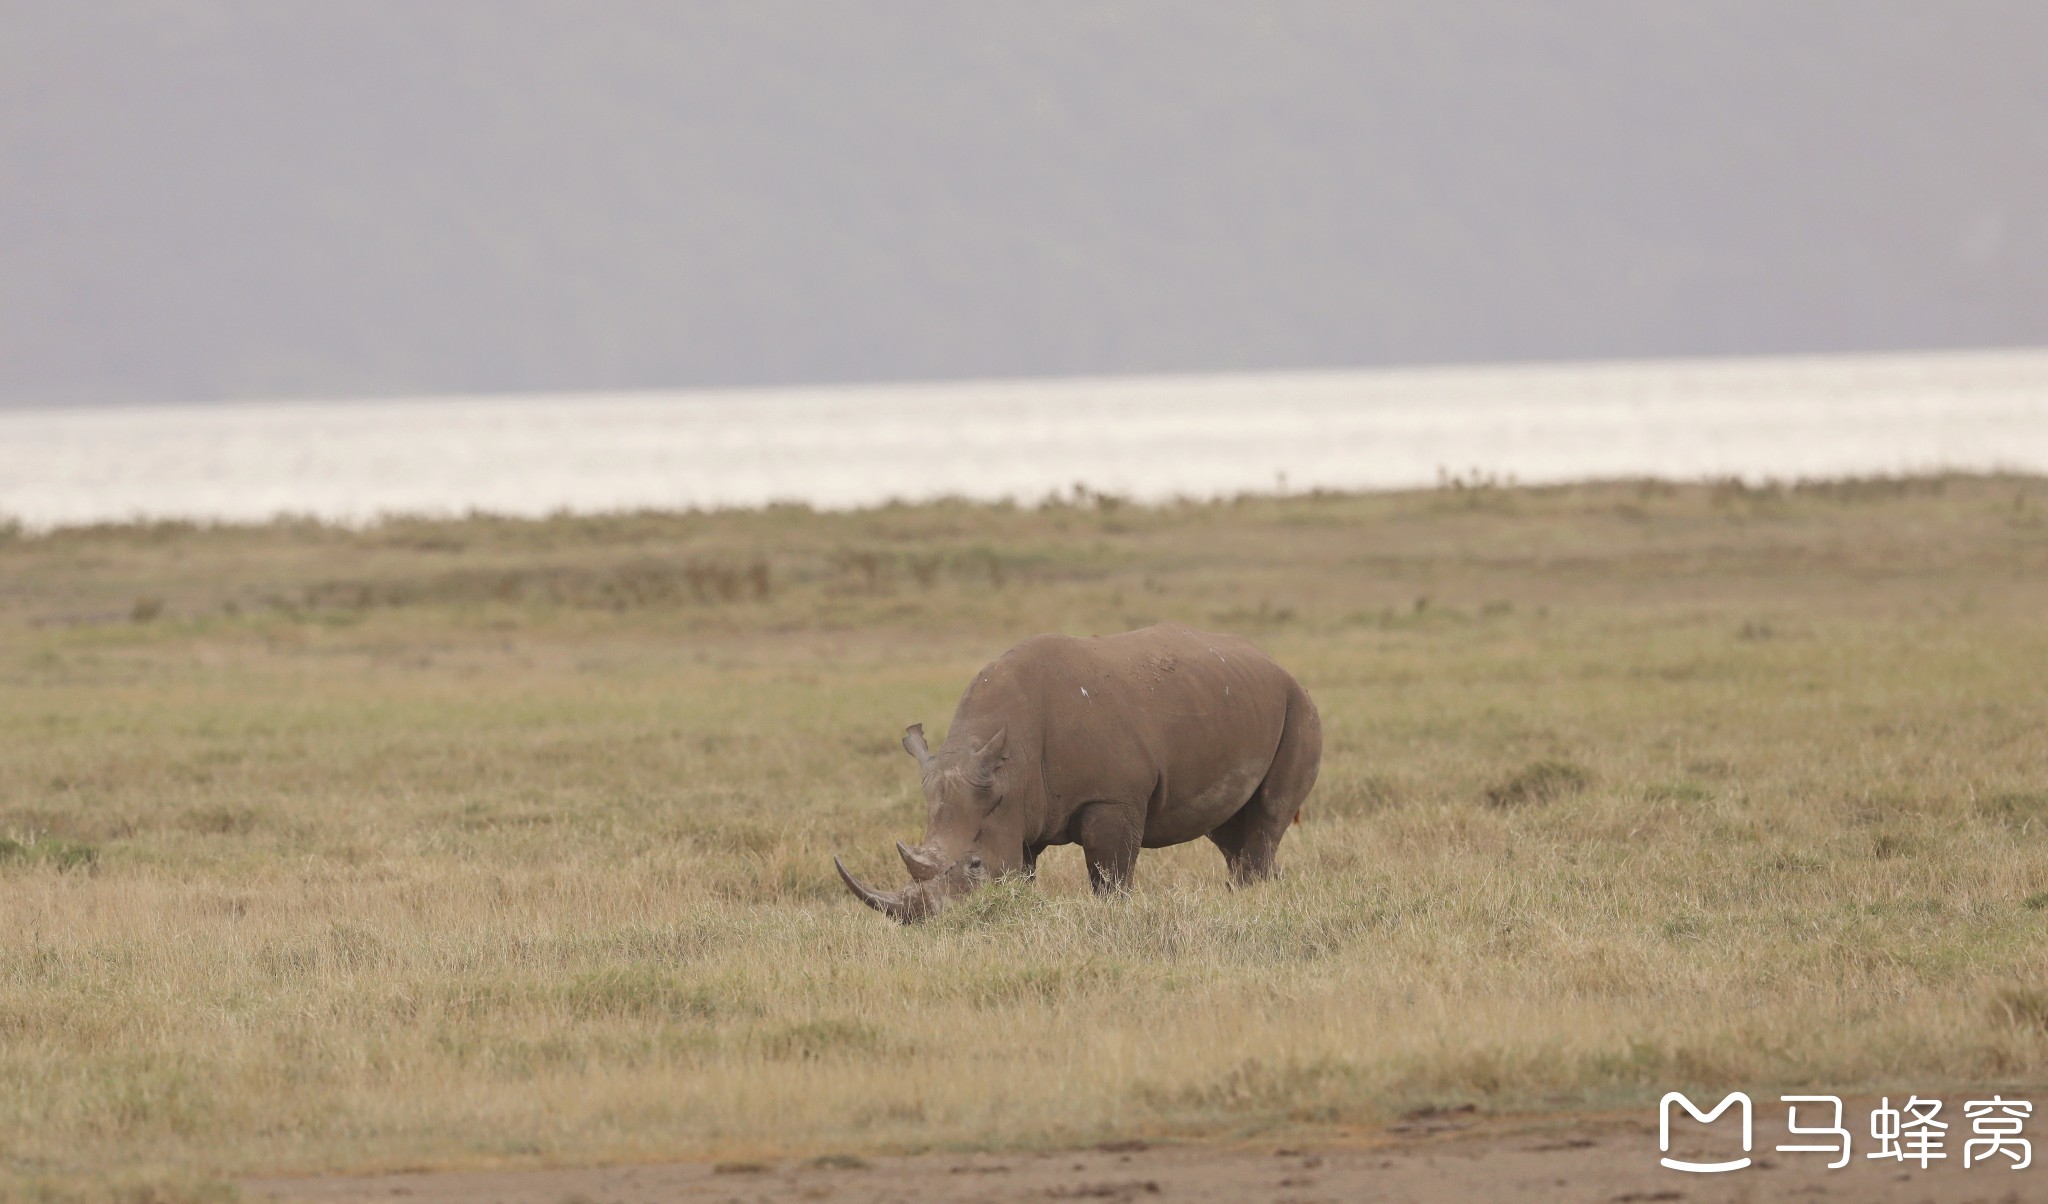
(489,841)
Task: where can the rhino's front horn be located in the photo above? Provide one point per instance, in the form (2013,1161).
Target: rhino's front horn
(891,905)
(922,865)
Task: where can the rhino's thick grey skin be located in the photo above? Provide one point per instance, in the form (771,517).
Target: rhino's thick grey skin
(1114,743)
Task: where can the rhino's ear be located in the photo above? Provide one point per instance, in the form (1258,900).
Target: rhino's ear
(990,755)
(913,743)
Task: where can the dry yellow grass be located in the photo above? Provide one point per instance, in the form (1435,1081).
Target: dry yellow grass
(480,841)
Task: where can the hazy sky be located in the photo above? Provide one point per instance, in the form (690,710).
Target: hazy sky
(215,200)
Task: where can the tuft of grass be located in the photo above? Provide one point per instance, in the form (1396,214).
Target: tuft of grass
(120,1188)
(827,1038)
(61,855)
(1008,901)
(1787,862)
(2021,808)
(1354,795)
(221,820)
(636,993)
(1545,781)
(1683,928)
(2024,1008)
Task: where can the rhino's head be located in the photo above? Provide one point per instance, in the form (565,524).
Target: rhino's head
(970,838)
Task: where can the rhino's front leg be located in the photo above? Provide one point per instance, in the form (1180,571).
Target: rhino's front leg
(1109,835)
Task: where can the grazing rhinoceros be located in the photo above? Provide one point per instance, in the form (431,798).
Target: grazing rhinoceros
(1115,743)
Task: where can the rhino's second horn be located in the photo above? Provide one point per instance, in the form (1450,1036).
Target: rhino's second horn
(922,865)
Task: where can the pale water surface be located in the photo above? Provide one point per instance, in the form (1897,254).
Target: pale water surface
(1149,438)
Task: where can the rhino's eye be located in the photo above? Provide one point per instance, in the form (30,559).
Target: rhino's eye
(974,863)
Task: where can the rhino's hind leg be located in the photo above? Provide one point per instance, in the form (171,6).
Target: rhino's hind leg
(1250,840)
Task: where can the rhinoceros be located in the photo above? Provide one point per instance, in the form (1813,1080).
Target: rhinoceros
(1116,743)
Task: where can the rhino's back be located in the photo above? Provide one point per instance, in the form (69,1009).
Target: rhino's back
(1186,720)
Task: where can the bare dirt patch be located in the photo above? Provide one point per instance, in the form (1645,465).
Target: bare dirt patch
(1428,1161)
